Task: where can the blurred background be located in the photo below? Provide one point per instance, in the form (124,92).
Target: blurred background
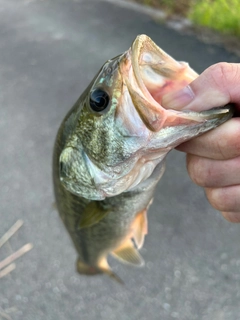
(220,15)
(49,52)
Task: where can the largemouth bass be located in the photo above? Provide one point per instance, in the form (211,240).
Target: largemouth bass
(110,150)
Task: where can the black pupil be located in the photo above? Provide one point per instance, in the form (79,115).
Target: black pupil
(99,100)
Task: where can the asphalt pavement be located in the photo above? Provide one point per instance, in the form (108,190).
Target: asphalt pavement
(49,52)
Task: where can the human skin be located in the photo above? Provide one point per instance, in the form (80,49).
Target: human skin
(213,159)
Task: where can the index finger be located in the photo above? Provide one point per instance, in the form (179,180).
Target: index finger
(221,143)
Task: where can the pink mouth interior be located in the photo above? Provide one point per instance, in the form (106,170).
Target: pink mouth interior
(156,74)
(158,82)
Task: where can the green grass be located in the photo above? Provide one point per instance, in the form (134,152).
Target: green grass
(221,15)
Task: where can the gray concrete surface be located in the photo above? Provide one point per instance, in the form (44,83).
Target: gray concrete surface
(49,51)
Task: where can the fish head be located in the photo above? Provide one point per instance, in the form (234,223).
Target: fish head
(118,132)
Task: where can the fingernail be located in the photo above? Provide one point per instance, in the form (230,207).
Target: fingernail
(177,100)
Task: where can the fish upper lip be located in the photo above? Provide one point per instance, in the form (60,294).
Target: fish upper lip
(135,56)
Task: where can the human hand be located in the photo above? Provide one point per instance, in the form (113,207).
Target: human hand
(213,159)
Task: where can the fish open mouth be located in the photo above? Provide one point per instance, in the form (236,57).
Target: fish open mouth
(154,73)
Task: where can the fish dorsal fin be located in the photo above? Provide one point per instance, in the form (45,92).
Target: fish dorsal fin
(92,214)
(128,254)
(140,228)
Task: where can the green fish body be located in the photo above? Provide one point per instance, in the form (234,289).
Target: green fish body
(110,150)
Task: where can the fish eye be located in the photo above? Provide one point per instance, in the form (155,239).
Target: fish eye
(99,100)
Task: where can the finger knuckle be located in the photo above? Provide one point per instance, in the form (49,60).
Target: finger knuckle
(234,141)
(229,144)
(225,76)
(217,199)
(220,73)
(224,199)
(198,172)
(233,217)
(222,149)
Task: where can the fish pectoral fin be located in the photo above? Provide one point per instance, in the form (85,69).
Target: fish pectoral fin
(140,228)
(128,254)
(92,214)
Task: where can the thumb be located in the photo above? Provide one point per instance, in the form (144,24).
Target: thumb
(215,87)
